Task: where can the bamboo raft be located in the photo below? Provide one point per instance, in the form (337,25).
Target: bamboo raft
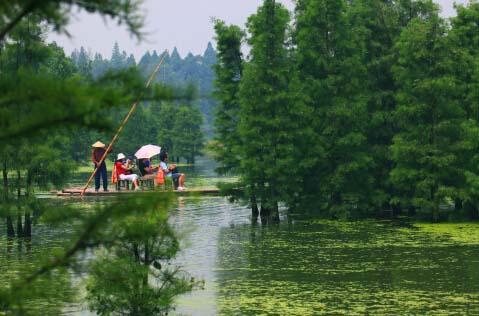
(76,192)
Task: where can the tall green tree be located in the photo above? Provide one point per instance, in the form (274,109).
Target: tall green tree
(464,39)
(378,25)
(229,71)
(426,148)
(329,62)
(266,124)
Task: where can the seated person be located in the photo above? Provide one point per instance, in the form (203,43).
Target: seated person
(123,170)
(146,170)
(172,171)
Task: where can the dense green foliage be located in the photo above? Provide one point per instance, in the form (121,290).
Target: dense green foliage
(52,108)
(363,106)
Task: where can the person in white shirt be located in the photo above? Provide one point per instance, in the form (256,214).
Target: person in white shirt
(172,171)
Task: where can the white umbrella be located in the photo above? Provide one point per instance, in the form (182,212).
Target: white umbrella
(147,151)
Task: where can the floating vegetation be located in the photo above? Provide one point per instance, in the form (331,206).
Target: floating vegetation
(348,268)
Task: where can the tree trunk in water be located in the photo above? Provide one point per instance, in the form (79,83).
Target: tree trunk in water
(147,263)
(472,210)
(27,225)
(396,209)
(458,204)
(136,252)
(435,212)
(264,214)
(29,183)
(254,207)
(411,211)
(19,225)
(275,213)
(10,229)
(19,191)
(5,180)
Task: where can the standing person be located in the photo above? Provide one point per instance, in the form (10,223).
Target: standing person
(96,155)
(172,171)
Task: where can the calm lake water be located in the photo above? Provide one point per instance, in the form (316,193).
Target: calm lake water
(309,266)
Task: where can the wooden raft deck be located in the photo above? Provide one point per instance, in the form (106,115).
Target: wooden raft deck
(90,192)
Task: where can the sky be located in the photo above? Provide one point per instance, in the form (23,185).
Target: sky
(185,24)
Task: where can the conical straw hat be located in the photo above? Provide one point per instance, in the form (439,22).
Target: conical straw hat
(98,144)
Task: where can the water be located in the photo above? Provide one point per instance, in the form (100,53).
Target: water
(309,267)
(323,267)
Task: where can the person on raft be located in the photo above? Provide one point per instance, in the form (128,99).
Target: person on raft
(96,155)
(124,170)
(172,171)
(146,170)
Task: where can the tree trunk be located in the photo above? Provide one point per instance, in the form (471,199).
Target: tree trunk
(411,211)
(275,213)
(458,204)
(146,263)
(471,209)
(19,190)
(27,225)
(19,225)
(435,212)
(264,214)
(136,252)
(29,183)
(5,180)
(10,229)
(254,207)
(396,209)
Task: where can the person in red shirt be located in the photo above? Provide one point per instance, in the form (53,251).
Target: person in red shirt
(123,170)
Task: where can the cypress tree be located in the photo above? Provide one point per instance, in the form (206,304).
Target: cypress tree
(329,62)
(425,150)
(116,61)
(464,38)
(228,70)
(267,150)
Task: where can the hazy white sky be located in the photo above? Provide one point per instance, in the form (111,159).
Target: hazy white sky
(185,24)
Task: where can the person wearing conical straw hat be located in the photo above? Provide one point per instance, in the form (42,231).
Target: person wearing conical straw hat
(98,150)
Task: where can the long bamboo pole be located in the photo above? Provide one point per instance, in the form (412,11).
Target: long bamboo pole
(123,123)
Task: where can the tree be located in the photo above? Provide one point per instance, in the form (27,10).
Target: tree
(143,283)
(265,125)
(426,148)
(187,135)
(378,25)
(464,39)
(83,63)
(99,66)
(130,61)
(117,60)
(331,73)
(229,71)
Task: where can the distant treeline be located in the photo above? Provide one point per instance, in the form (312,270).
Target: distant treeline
(352,108)
(195,70)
